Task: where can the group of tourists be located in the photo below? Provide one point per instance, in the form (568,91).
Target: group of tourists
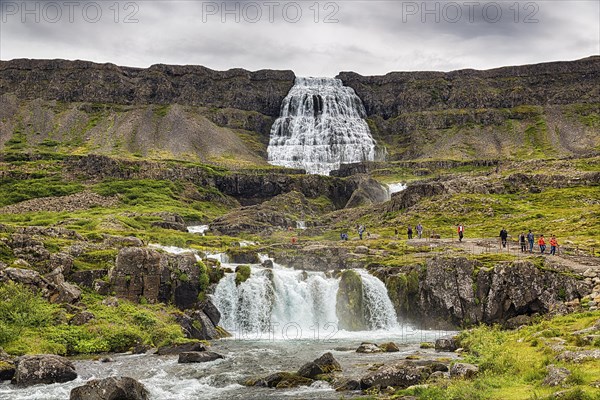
(418,229)
(527,241)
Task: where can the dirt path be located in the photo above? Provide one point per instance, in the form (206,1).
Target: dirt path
(577,263)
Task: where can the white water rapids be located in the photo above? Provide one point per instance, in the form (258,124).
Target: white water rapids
(321,126)
(281,318)
(284,303)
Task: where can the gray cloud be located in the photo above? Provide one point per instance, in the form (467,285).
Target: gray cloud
(371,37)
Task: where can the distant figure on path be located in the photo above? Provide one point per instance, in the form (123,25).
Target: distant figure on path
(553,245)
(504,236)
(361,230)
(396,233)
(419,230)
(409,231)
(522,242)
(530,239)
(542,244)
(461,231)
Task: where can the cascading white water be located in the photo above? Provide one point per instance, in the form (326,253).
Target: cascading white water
(272,299)
(380,310)
(321,126)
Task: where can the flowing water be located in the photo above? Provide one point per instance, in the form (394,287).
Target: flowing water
(280,319)
(321,126)
(395,187)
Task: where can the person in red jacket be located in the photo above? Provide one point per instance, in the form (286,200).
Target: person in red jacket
(542,244)
(553,245)
(461,229)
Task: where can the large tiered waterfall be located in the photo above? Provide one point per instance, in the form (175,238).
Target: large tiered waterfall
(279,298)
(321,126)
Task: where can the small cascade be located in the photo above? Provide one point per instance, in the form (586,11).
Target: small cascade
(248,306)
(321,126)
(378,306)
(300,225)
(395,187)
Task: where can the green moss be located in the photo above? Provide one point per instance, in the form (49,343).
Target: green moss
(96,259)
(6,253)
(161,111)
(242,273)
(349,302)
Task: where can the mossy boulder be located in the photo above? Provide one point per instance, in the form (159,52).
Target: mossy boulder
(281,380)
(7,370)
(349,302)
(326,364)
(242,273)
(242,255)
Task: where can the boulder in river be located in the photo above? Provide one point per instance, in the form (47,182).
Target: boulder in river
(398,375)
(198,357)
(180,348)
(113,388)
(281,380)
(323,365)
(446,343)
(369,348)
(43,368)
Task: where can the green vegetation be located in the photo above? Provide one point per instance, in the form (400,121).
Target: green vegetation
(564,212)
(242,273)
(96,259)
(29,324)
(513,363)
(14,191)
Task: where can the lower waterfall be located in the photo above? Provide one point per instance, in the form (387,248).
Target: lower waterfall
(296,303)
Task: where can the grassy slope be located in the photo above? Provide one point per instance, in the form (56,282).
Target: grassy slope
(513,363)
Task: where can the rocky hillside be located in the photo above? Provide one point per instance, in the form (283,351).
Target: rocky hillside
(526,111)
(183,112)
(224,117)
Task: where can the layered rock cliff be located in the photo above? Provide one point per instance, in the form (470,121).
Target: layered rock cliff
(224,117)
(530,110)
(193,85)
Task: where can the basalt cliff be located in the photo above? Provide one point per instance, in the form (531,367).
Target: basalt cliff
(224,117)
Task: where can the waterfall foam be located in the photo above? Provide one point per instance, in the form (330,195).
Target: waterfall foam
(288,303)
(321,126)
(380,310)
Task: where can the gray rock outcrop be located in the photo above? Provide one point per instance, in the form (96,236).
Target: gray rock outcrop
(113,388)
(43,368)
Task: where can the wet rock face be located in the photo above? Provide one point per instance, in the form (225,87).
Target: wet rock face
(461,292)
(349,304)
(45,368)
(368,192)
(113,388)
(198,357)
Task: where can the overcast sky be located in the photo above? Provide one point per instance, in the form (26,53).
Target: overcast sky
(369,37)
